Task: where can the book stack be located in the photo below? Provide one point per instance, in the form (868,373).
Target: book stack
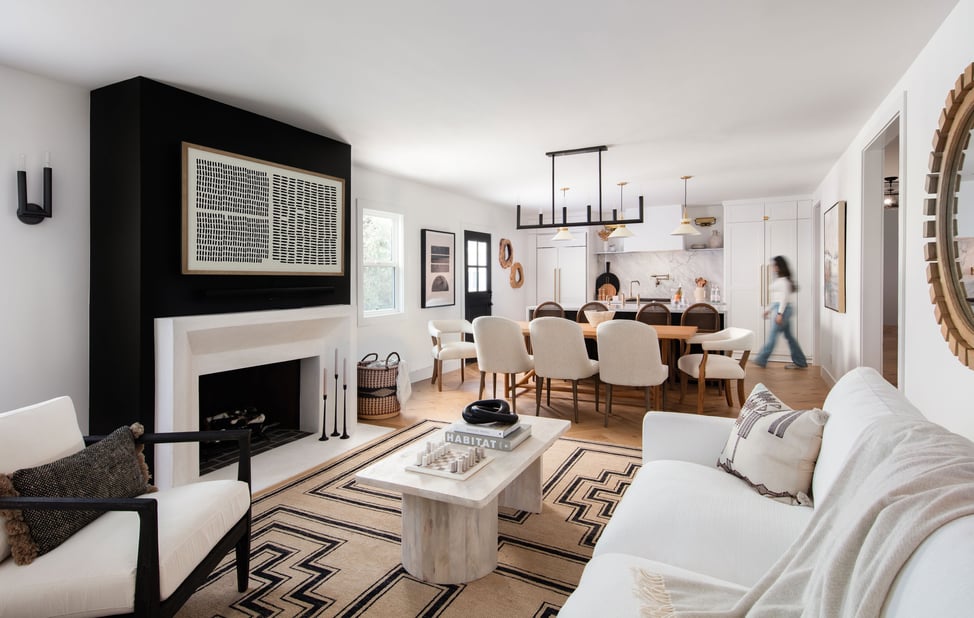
(488,435)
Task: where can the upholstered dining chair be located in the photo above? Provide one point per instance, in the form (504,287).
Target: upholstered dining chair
(559,353)
(629,356)
(712,364)
(549,308)
(449,343)
(501,349)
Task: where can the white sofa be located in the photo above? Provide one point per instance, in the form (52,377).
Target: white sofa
(684,517)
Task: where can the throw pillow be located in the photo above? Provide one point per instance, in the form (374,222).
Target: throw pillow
(111,468)
(774,448)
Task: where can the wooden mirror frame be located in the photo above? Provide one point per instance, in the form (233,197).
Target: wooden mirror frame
(944,275)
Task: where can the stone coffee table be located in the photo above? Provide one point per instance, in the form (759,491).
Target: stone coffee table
(449,526)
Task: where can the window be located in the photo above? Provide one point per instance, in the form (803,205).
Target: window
(381,262)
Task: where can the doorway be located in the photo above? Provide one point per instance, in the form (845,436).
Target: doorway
(881,268)
(477,300)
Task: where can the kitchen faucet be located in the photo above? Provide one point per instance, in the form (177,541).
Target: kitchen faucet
(660,278)
(636,281)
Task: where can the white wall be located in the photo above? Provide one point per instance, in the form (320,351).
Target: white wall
(44,306)
(423,206)
(932,377)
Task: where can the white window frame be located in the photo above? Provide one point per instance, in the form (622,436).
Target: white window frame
(396,263)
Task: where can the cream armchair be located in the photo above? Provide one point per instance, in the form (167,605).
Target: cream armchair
(145,555)
(449,344)
(712,364)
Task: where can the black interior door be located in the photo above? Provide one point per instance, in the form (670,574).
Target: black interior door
(476,256)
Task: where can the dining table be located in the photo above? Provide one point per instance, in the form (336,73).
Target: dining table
(664,332)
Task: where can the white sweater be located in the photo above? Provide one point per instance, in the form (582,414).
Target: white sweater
(781,293)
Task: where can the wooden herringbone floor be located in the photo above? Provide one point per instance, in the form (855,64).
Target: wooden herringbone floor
(798,388)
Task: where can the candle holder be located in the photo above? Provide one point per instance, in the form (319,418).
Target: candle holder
(335,431)
(324,419)
(344,412)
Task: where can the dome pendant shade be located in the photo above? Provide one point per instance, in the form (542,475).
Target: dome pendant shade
(621,232)
(685,228)
(563,234)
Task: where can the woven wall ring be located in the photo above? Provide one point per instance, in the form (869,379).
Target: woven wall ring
(505,254)
(517,275)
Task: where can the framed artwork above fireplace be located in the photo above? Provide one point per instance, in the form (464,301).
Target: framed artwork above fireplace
(245,216)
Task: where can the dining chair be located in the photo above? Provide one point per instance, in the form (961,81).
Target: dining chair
(449,343)
(581,318)
(559,353)
(590,346)
(654,313)
(629,355)
(711,364)
(549,308)
(501,349)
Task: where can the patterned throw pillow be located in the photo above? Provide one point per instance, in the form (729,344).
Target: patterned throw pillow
(111,468)
(774,448)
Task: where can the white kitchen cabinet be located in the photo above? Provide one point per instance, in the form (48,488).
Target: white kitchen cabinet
(562,270)
(653,234)
(755,232)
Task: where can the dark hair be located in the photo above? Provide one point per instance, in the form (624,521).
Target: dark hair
(783,271)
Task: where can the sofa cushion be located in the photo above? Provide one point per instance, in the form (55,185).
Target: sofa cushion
(607,586)
(192,519)
(19,447)
(774,448)
(700,518)
(111,468)
(857,399)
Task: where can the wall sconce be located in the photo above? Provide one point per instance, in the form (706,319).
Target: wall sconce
(32,214)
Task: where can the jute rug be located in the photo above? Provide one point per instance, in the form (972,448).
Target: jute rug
(324,545)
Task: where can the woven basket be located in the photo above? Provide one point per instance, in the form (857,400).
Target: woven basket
(377,396)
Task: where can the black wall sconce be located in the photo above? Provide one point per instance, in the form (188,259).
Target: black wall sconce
(33,214)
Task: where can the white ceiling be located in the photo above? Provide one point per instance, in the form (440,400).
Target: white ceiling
(751,97)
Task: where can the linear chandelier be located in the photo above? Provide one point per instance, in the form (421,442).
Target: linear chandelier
(589,221)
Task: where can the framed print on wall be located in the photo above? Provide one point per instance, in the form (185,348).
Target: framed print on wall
(834,244)
(439,272)
(244,216)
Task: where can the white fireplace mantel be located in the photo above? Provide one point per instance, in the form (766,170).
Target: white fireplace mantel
(187,347)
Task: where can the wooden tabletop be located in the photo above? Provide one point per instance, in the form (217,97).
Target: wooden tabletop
(663,331)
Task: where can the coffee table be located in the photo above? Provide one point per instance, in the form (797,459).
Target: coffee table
(449,526)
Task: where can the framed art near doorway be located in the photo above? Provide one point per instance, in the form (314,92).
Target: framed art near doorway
(438,269)
(834,246)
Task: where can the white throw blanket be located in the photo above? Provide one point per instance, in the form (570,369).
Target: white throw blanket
(910,478)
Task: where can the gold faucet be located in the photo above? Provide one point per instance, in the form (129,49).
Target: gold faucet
(636,281)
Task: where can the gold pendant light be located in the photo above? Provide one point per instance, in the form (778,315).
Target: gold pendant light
(621,231)
(563,232)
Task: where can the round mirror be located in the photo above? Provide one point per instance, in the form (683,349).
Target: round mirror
(950,255)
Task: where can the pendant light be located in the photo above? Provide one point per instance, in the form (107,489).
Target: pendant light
(563,232)
(685,228)
(621,230)
(891,196)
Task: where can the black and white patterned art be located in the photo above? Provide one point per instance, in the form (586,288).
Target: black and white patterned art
(246,216)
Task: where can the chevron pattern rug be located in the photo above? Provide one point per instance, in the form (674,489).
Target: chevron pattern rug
(324,545)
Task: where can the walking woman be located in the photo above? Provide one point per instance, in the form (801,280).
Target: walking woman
(780,310)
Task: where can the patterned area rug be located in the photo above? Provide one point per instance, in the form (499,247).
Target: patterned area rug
(325,546)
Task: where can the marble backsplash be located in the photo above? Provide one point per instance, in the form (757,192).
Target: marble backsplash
(683,267)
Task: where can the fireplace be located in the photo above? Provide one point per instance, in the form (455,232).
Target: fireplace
(190,347)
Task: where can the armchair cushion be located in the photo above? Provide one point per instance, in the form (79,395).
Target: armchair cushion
(774,448)
(111,468)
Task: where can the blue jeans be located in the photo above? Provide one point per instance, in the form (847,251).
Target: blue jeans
(797,356)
